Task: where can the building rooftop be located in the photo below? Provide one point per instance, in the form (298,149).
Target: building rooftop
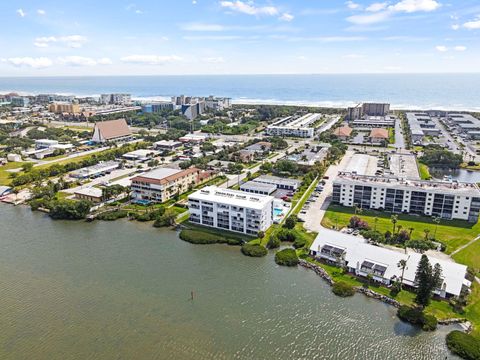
(278,180)
(379,133)
(90,191)
(255,185)
(163,175)
(112,129)
(297,122)
(359,253)
(232,197)
(466,189)
(343,131)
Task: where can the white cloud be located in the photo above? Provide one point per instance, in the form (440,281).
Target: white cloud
(249,8)
(382,12)
(36,63)
(441,48)
(194,2)
(460,48)
(73,41)
(368,19)
(151,59)
(286,17)
(410,6)
(21,13)
(352,5)
(472,25)
(455,27)
(353,56)
(214,60)
(133,7)
(104,61)
(41,12)
(202,27)
(77,61)
(377,7)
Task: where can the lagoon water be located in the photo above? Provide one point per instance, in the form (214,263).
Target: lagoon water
(403,91)
(120,290)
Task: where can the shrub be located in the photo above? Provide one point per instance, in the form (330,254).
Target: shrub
(201,237)
(290,222)
(375,236)
(415,316)
(254,250)
(286,235)
(112,215)
(273,242)
(357,223)
(463,345)
(166,219)
(286,257)
(343,289)
(299,242)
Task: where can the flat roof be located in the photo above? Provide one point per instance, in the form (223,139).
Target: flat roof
(232,197)
(358,251)
(160,173)
(277,180)
(292,122)
(255,185)
(90,191)
(457,188)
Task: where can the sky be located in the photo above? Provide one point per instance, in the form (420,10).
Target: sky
(147,37)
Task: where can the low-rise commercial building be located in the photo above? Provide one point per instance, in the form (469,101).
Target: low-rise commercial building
(64,107)
(102,168)
(365,260)
(231,210)
(140,155)
(45,143)
(167,145)
(447,200)
(279,182)
(162,184)
(256,187)
(294,126)
(92,194)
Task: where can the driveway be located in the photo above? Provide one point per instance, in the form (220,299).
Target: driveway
(317,209)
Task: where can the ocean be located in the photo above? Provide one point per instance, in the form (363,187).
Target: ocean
(402,91)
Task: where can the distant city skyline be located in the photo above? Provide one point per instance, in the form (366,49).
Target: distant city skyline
(147,37)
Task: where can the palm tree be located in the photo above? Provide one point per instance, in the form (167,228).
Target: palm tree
(426,231)
(375,221)
(410,232)
(402,264)
(436,220)
(399,227)
(394,220)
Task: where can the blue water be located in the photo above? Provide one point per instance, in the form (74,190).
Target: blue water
(404,91)
(277,212)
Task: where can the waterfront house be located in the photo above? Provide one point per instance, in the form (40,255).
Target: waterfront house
(381,264)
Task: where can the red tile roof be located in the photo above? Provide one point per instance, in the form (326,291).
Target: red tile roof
(343,131)
(379,133)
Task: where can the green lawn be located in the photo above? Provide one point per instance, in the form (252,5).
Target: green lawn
(5,175)
(440,309)
(453,233)
(470,256)
(424,172)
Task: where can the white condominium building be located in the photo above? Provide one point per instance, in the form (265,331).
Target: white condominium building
(231,210)
(296,127)
(448,200)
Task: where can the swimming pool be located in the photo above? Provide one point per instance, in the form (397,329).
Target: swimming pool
(277,212)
